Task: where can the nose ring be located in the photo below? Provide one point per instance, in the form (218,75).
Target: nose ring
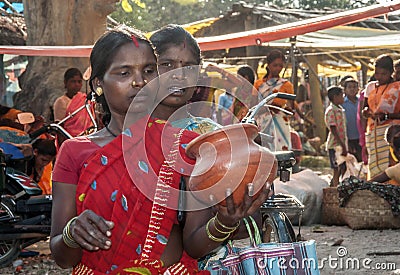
(134,82)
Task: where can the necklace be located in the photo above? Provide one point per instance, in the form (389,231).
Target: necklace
(111,132)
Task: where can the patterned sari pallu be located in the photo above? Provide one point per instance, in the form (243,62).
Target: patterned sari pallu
(268,258)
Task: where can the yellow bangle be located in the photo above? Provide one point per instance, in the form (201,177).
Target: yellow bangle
(66,235)
(220,231)
(224,226)
(212,237)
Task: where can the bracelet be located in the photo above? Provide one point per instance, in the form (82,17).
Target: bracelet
(220,230)
(212,237)
(224,226)
(66,235)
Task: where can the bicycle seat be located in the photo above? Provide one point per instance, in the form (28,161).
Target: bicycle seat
(282,156)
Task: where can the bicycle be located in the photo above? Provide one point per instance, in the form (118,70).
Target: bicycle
(276,225)
(89,102)
(87,106)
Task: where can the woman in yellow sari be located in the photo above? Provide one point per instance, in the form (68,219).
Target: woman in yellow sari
(382,108)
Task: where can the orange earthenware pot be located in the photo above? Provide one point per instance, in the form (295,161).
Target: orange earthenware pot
(229,159)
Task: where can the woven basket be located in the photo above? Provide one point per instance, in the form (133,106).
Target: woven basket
(366,210)
(331,212)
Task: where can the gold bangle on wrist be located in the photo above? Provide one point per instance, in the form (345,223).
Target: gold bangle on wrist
(212,237)
(67,237)
(225,226)
(220,230)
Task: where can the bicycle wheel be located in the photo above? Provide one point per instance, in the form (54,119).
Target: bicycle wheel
(9,249)
(277,228)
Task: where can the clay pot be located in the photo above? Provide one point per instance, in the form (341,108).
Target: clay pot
(229,159)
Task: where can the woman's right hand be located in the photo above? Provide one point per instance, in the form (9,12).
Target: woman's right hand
(91,231)
(231,214)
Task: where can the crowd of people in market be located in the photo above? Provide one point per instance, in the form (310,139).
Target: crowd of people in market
(103,223)
(359,120)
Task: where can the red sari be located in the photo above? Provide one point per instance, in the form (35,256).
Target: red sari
(81,121)
(142,225)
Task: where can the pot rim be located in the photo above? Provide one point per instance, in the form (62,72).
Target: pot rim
(246,127)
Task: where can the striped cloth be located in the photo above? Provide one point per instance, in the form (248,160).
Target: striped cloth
(270,258)
(298,258)
(378,150)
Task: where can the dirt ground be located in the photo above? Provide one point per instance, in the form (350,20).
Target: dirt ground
(363,251)
(342,250)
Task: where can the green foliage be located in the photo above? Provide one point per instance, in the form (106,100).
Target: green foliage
(158,13)
(149,15)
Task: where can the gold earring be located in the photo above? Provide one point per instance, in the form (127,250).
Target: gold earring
(133,83)
(99,91)
(145,81)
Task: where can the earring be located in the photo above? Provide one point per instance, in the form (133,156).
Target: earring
(99,91)
(145,81)
(133,83)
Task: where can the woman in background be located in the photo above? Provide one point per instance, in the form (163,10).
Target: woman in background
(382,109)
(273,83)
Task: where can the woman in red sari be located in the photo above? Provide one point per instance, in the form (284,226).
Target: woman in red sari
(102,223)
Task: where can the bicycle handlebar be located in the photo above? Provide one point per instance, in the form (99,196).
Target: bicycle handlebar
(48,128)
(286,96)
(286,159)
(249,118)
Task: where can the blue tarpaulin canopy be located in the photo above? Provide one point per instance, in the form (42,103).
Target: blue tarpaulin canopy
(17,6)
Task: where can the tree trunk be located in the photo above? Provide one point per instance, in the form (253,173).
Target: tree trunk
(57,23)
(316,101)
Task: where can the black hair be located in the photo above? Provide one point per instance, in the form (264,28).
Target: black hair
(267,73)
(396,143)
(275,54)
(334,91)
(384,62)
(347,81)
(372,78)
(344,78)
(247,71)
(391,132)
(45,147)
(396,64)
(103,53)
(4,109)
(71,72)
(175,35)
(272,55)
